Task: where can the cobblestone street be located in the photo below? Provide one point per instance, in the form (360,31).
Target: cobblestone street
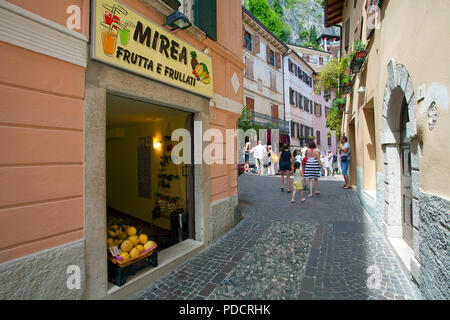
(324,248)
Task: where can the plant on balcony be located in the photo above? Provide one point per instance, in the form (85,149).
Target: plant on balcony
(331,76)
(334,119)
(246,121)
(347,84)
(358,56)
(311,138)
(339,103)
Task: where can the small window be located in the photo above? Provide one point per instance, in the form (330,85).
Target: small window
(248,41)
(272,58)
(318,137)
(320,61)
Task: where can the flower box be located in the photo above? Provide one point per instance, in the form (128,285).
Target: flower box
(358,61)
(347,88)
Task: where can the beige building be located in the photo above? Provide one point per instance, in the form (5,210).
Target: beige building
(263,77)
(396,119)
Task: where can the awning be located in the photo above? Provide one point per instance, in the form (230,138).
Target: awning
(333,12)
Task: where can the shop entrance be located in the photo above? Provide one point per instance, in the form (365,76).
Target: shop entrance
(145,190)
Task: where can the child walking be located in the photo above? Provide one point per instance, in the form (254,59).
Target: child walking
(298,185)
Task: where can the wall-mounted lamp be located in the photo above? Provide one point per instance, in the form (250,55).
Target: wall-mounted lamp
(326,95)
(156,144)
(362,89)
(177,20)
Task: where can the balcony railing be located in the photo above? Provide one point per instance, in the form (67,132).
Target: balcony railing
(270,122)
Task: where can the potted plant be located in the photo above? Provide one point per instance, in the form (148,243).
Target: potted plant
(358,56)
(347,84)
(339,103)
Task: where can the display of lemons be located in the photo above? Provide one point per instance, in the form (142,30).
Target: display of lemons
(130,231)
(149,244)
(126,246)
(125,256)
(134,253)
(143,238)
(117,242)
(134,240)
(140,247)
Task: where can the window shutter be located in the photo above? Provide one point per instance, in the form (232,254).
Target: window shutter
(244,43)
(256,44)
(268,54)
(278,60)
(298,130)
(206,17)
(275,111)
(318,137)
(347,33)
(310,105)
(250,104)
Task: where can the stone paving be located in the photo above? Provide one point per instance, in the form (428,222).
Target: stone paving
(324,248)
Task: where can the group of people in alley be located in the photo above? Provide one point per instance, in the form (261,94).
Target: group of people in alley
(306,165)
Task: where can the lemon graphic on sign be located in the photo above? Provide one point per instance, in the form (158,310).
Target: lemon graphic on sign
(199,70)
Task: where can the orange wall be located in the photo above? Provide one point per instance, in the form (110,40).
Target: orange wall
(55,10)
(42,124)
(41,138)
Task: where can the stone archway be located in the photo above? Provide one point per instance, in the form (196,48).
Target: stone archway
(399,90)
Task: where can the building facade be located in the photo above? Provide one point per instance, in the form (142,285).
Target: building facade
(263,77)
(72,107)
(298,90)
(395,120)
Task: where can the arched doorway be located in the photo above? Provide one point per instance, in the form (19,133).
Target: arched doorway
(401,169)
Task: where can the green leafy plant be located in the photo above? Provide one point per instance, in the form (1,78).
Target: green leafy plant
(339,101)
(331,76)
(359,46)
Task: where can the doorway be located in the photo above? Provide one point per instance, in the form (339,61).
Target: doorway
(144,188)
(405,155)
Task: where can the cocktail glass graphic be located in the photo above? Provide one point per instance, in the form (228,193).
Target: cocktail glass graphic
(112,27)
(109,37)
(125,33)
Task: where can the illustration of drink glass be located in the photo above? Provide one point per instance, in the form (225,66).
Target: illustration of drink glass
(124,36)
(109,37)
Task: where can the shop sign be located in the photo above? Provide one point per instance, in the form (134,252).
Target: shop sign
(125,39)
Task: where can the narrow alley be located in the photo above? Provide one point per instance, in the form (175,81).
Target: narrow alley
(324,248)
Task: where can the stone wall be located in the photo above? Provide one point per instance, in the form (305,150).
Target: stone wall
(222,216)
(434,246)
(43,275)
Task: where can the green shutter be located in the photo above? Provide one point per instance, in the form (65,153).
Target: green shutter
(206,17)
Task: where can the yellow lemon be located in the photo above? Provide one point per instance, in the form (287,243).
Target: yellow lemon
(140,247)
(149,244)
(143,238)
(125,256)
(110,241)
(126,246)
(122,235)
(134,253)
(134,240)
(130,231)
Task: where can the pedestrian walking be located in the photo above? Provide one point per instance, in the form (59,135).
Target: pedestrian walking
(335,164)
(270,170)
(298,185)
(259,153)
(344,149)
(286,160)
(313,168)
(247,157)
(329,163)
